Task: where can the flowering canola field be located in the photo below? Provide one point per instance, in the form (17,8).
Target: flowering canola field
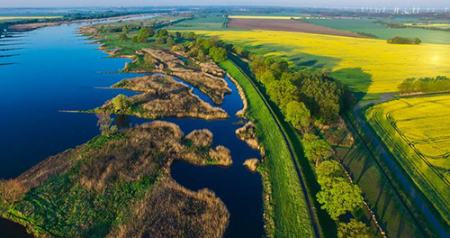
(417,131)
(388,64)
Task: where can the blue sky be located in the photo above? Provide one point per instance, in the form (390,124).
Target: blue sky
(298,3)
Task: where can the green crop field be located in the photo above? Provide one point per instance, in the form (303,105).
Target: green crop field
(369,27)
(201,23)
(416,132)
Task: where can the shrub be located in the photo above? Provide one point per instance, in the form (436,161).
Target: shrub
(316,149)
(298,115)
(120,103)
(353,229)
(425,85)
(218,54)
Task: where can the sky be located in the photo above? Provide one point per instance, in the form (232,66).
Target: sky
(287,3)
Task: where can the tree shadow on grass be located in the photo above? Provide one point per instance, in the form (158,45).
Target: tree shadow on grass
(355,79)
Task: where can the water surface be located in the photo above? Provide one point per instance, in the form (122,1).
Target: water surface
(53,69)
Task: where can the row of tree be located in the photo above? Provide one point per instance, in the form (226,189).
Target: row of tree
(404,41)
(299,94)
(425,85)
(302,97)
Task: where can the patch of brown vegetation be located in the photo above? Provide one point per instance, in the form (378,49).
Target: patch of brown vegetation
(252,164)
(170,210)
(221,155)
(287,25)
(165,209)
(42,171)
(143,152)
(89,30)
(247,133)
(33,26)
(209,79)
(162,96)
(10,192)
(200,138)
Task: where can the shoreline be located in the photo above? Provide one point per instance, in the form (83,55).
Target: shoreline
(240,113)
(23,27)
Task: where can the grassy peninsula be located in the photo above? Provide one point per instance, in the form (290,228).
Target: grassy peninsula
(119,185)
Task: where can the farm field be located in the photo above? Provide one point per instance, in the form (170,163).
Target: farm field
(416,131)
(369,27)
(201,23)
(380,65)
(285,25)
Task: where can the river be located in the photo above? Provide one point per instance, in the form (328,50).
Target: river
(55,68)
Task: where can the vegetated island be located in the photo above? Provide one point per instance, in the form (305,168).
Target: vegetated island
(206,75)
(161,96)
(119,185)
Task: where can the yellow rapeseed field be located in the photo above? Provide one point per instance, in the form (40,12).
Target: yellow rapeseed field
(417,132)
(388,64)
(425,123)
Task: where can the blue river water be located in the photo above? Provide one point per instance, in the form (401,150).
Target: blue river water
(55,68)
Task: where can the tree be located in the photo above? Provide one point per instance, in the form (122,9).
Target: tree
(123,36)
(162,33)
(142,35)
(353,229)
(125,29)
(218,54)
(161,40)
(328,172)
(298,115)
(105,124)
(170,41)
(120,103)
(321,94)
(316,149)
(341,197)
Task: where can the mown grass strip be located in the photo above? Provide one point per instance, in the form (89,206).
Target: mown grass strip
(290,209)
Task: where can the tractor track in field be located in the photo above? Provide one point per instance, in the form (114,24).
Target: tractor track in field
(415,195)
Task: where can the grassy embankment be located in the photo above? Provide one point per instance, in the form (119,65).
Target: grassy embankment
(415,130)
(287,207)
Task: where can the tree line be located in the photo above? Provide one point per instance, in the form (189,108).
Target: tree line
(425,85)
(305,98)
(404,41)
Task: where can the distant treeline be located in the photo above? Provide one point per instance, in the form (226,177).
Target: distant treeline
(404,41)
(425,85)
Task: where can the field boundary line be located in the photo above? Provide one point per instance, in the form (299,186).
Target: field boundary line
(401,180)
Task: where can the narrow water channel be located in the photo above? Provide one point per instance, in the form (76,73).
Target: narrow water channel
(56,69)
